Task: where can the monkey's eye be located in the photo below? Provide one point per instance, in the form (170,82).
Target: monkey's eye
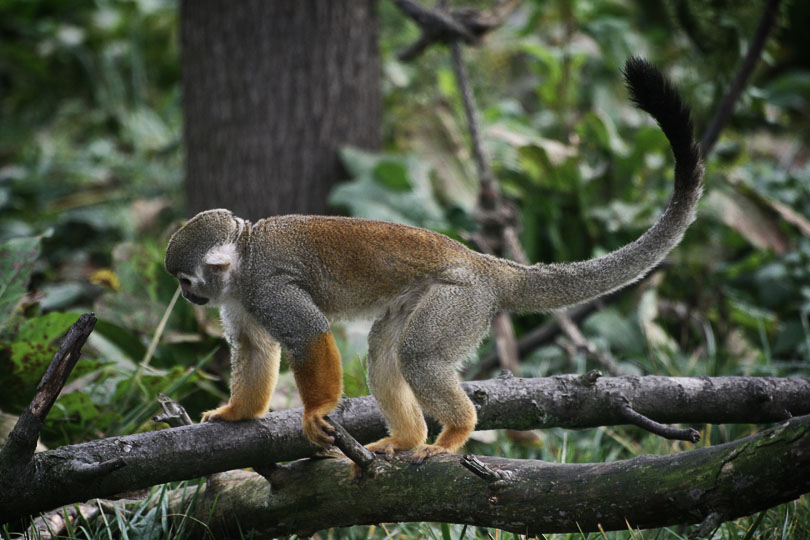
(185,282)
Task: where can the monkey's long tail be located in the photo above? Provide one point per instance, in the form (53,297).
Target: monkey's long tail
(547,287)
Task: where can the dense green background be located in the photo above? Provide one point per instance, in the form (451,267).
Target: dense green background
(91,166)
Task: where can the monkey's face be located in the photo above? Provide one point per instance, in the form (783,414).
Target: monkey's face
(204,274)
(189,284)
(203,257)
(210,279)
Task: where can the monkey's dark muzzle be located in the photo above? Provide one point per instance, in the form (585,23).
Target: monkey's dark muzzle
(199,300)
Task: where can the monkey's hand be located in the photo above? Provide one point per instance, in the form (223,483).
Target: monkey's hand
(228,413)
(317,429)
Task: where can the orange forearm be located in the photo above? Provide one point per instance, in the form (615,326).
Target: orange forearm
(319,374)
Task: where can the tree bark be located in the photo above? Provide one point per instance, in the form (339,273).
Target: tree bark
(105,467)
(271,90)
(528,497)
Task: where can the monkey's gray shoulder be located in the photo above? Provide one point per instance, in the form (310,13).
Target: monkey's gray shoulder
(278,253)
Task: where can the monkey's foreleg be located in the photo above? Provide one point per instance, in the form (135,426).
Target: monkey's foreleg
(319,377)
(254,373)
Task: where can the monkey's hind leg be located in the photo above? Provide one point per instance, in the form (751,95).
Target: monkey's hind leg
(395,398)
(445,327)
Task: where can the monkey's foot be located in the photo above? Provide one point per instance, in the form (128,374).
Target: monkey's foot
(317,429)
(388,446)
(425,451)
(226,413)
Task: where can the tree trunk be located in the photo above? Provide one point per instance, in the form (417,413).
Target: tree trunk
(271,91)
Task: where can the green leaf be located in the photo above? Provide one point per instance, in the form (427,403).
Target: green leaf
(446,82)
(35,345)
(357,162)
(17,257)
(621,334)
(46,328)
(446,531)
(546,62)
(124,341)
(790,90)
(392,175)
(147,130)
(29,354)
(75,404)
(76,416)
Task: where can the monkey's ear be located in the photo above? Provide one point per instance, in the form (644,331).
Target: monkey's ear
(218,261)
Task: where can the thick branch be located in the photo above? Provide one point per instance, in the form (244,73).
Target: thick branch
(524,496)
(117,464)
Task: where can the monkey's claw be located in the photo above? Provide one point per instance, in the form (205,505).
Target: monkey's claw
(425,451)
(383,446)
(226,413)
(318,430)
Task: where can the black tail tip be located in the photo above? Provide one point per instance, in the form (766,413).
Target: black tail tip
(638,66)
(652,92)
(647,85)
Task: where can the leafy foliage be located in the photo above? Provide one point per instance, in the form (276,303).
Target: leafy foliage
(17,257)
(92,162)
(390,188)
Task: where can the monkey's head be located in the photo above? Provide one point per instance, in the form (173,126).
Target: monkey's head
(202,255)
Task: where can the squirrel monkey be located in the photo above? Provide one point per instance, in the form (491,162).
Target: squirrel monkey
(280,281)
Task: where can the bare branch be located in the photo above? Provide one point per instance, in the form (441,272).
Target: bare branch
(738,84)
(668,432)
(88,472)
(468,25)
(353,450)
(505,343)
(53,525)
(173,414)
(22,440)
(484,471)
